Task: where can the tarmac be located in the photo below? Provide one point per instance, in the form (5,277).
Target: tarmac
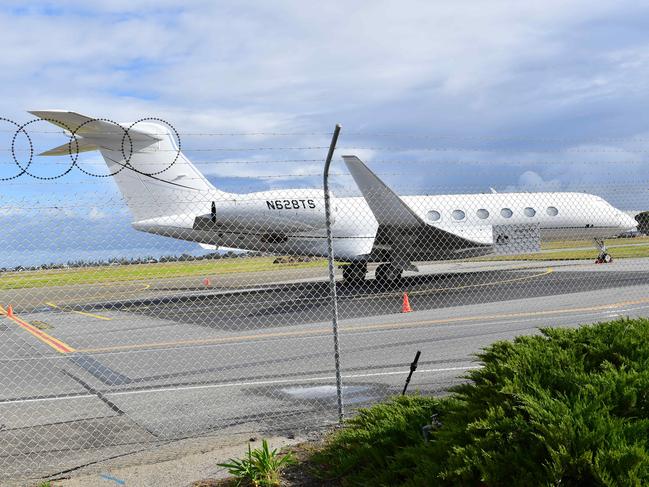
(91,374)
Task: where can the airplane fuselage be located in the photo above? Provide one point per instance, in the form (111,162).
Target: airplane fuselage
(293,221)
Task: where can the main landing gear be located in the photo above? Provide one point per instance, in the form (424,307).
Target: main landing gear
(355,272)
(604,257)
(386,272)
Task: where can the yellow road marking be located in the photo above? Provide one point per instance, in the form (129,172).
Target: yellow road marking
(56,344)
(92,315)
(358,328)
(549,270)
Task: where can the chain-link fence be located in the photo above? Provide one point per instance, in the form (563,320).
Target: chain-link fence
(147,299)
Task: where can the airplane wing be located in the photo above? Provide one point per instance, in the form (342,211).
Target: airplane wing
(396,218)
(386,205)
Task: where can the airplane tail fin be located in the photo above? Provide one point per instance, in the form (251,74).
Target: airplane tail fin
(153,175)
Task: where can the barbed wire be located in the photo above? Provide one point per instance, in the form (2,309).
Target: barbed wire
(208,134)
(294,176)
(216,149)
(123,132)
(395,149)
(388,161)
(103,198)
(486,149)
(490,138)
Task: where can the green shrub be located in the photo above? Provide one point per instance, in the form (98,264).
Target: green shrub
(260,467)
(568,407)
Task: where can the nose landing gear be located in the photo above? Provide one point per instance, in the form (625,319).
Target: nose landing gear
(604,257)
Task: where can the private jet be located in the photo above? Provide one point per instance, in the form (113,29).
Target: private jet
(167,195)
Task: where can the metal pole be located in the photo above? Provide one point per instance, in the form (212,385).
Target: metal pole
(332,276)
(413,367)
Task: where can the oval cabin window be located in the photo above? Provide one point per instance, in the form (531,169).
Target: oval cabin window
(530,212)
(434,215)
(482,213)
(506,213)
(458,214)
(552,211)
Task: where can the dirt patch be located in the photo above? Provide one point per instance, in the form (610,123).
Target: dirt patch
(176,465)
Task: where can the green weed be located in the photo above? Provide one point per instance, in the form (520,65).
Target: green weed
(260,467)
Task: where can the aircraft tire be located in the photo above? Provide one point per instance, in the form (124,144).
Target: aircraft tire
(355,272)
(386,273)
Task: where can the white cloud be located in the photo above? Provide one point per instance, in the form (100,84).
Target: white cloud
(505,68)
(532,181)
(288,64)
(6,211)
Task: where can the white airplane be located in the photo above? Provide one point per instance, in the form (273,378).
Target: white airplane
(168,196)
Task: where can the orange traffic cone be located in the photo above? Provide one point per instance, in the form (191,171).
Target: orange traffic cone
(405,308)
(10,311)
(207,282)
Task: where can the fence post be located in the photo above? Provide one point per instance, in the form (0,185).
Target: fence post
(332,276)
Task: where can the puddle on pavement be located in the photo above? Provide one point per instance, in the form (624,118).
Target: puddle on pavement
(351,394)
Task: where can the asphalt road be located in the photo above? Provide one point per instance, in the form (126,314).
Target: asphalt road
(301,303)
(151,368)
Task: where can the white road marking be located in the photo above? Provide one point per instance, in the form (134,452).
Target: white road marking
(46,399)
(284,381)
(237,384)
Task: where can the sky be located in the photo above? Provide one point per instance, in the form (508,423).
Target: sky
(437,97)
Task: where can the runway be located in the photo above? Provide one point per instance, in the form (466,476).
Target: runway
(172,362)
(309,302)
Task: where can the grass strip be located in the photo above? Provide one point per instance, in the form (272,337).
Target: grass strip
(143,272)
